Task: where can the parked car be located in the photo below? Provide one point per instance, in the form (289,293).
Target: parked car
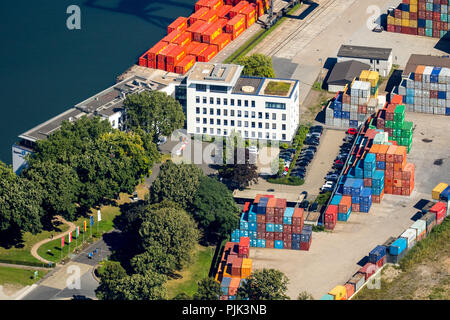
(352,131)
(304,204)
(317,128)
(313,207)
(327,185)
(338,166)
(305,193)
(332,177)
(339,162)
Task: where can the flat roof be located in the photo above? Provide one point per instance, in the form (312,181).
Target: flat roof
(292,84)
(364,52)
(244,84)
(215,73)
(425,60)
(345,72)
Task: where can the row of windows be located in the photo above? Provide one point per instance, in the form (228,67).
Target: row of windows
(239,123)
(219,101)
(247,114)
(245,134)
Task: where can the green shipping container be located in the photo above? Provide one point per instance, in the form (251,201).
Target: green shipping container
(389,124)
(443,17)
(407,129)
(429,6)
(429,32)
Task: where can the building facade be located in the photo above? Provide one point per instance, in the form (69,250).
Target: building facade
(219,100)
(379,59)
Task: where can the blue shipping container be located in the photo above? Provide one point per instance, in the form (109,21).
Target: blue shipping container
(398,246)
(261,243)
(278,228)
(377,254)
(270,227)
(287,216)
(278,244)
(336,199)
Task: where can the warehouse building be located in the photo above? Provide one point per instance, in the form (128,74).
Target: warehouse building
(424,60)
(343,74)
(379,59)
(107,104)
(220,100)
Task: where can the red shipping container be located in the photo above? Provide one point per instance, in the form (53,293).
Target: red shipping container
(180,24)
(397,190)
(161,65)
(368,270)
(305,245)
(197,34)
(331,213)
(210,17)
(175,55)
(287,237)
(238,8)
(161,58)
(223,298)
(270,244)
(208,54)
(261,235)
(439,209)
(270,218)
(297,217)
(152,64)
(287,229)
(197,15)
(236,267)
(184,65)
(381,262)
(278,220)
(355,207)
(297,229)
(171,37)
(368,182)
(287,244)
(223,12)
(269,236)
(330,225)
(156,49)
(261,218)
(278,236)
(143,60)
(235,24)
(222,41)
(170,68)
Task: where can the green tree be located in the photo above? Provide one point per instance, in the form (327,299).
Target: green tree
(60,187)
(305,295)
(208,289)
(154,258)
(172,230)
(176,182)
(148,286)
(257,65)
(182,296)
(111,270)
(155,112)
(266,284)
(214,209)
(242,171)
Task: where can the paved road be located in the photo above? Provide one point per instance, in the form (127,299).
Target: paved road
(56,286)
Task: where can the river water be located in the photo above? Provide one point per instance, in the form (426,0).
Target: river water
(45,68)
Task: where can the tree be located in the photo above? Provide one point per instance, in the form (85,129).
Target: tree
(148,286)
(111,270)
(156,259)
(257,65)
(242,171)
(214,209)
(305,295)
(155,112)
(178,183)
(208,289)
(60,187)
(266,284)
(172,230)
(182,296)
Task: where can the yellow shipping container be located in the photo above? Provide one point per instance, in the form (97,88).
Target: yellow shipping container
(246,269)
(373,78)
(405,23)
(398,22)
(339,293)
(413,23)
(412,2)
(405,15)
(364,75)
(391,20)
(413,8)
(438,189)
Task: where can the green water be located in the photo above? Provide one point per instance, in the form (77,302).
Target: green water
(46,68)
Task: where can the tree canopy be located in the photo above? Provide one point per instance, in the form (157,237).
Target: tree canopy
(208,289)
(257,65)
(214,209)
(176,182)
(241,171)
(265,284)
(156,113)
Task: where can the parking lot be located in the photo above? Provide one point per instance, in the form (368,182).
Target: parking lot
(334,256)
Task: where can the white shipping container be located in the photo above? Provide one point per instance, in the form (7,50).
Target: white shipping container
(433,102)
(410,108)
(426,74)
(434,86)
(410,236)
(442,103)
(345,123)
(426,94)
(447,104)
(337,122)
(420,226)
(346,107)
(417,85)
(425,85)
(418,108)
(444,76)
(442,86)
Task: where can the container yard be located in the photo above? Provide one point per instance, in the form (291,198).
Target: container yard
(207,31)
(420,17)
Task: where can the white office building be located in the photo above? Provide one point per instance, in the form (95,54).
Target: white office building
(220,100)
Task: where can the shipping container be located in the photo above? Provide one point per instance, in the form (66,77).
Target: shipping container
(180,24)
(235,24)
(339,293)
(156,49)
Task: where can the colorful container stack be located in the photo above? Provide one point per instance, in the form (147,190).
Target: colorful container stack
(420,17)
(234,267)
(199,37)
(269,223)
(441,192)
(351,107)
(427,90)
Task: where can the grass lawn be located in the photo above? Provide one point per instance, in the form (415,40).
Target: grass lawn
(19,276)
(277,88)
(198,270)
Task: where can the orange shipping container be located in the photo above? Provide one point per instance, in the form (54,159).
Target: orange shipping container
(208,54)
(390,153)
(152,64)
(381,154)
(156,49)
(163,53)
(184,39)
(224,11)
(345,204)
(408,171)
(235,24)
(214,4)
(210,17)
(143,60)
(170,68)
(237,33)
(199,50)
(400,154)
(238,8)
(375,148)
(234,286)
(249,11)
(175,55)
(201,4)
(171,37)
(197,35)
(222,41)
(350,290)
(246,269)
(195,26)
(212,32)
(250,21)
(184,65)
(260,8)
(191,47)
(197,15)
(180,24)
(399,166)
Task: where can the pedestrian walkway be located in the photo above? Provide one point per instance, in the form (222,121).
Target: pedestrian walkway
(36,246)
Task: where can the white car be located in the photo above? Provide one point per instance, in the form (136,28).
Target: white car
(253,149)
(327,185)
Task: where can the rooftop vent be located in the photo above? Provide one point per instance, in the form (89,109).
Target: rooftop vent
(248,89)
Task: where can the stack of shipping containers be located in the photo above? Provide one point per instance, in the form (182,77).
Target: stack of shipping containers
(351,107)
(420,17)
(427,90)
(377,166)
(270,224)
(212,26)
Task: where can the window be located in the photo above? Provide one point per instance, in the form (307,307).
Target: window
(225,101)
(232,102)
(232,123)
(113,123)
(274,116)
(197,129)
(283,117)
(259,115)
(205,121)
(378,61)
(219,132)
(267,125)
(253,124)
(211,121)
(218,112)
(205,100)
(253,114)
(225,132)
(218,101)
(371,60)
(205,111)
(275,105)
(274,126)
(246,124)
(283,127)
(260,125)
(197,110)
(239,113)
(283,137)
(211,100)
(274,136)
(197,120)
(267,116)
(225,112)
(225,122)
(211,111)
(253,134)
(218,89)
(253,103)
(218,122)
(259,135)
(246,134)
(197,99)
(204,130)
(232,113)
(239,102)
(246,114)
(239,123)
(211,130)
(200,87)
(246,103)
(267,135)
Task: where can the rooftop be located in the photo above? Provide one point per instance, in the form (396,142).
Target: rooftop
(245,84)
(425,60)
(344,72)
(215,73)
(364,52)
(259,86)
